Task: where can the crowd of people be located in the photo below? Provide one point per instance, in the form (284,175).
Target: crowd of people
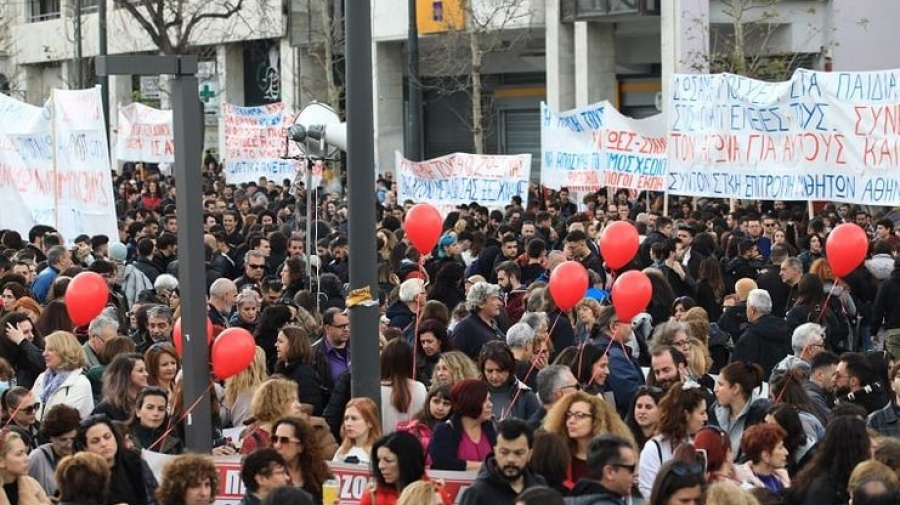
(754,376)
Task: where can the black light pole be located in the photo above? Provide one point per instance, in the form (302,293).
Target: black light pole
(361,190)
(101,51)
(413,89)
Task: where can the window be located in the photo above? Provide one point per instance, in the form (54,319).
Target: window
(42,10)
(581,10)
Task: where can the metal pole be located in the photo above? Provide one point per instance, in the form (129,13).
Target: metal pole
(79,72)
(414,107)
(309,220)
(188,126)
(101,51)
(361,184)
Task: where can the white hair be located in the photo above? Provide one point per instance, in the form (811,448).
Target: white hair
(760,300)
(165,282)
(410,289)
(519,335)
(804,335)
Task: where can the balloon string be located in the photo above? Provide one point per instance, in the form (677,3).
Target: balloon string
(531,369)
(416,326)
(827,299)
(187,412)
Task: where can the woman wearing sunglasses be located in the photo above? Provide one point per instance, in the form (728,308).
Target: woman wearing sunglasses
(59,427)
(678,483)
(294,439)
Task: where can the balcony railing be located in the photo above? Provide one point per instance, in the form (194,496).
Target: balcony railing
(607,10)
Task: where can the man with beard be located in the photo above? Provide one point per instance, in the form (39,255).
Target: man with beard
(505,473)
(508,278)
(610,477)
(854,382)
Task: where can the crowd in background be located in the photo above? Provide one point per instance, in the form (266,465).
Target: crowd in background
(753,376)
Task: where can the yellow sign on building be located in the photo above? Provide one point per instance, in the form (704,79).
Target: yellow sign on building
(439,16)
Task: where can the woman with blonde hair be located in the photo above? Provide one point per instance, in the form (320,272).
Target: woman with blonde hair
(421,492)
(452,367)
(360,430)
(62,382)
(239,388)
(729,493)
(578,418)
(14,472)
(274,399)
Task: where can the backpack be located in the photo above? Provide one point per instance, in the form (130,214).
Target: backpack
(838,328)
(419,430)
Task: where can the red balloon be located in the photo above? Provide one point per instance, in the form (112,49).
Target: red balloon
(846,248)
(423,225)
(631,294)
(619,243)
(232,352)
(568,283)
(86,296)
(176,335)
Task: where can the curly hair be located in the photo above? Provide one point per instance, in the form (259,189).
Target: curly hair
(310,461)
(185,471)
(672,408)
(606,420)
(269,400)
(461,365)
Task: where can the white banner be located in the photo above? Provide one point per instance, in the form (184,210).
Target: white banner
(819,136)
(255,143)
(145,134)
(84,197)
(460,178)
(79,197)
(592,147)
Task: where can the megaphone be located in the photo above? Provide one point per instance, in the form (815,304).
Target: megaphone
(317,128)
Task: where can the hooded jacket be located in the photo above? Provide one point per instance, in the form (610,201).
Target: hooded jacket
(492,488)
(886,308)
(765,341)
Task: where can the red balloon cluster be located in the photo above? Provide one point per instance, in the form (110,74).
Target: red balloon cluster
(423,225)
(177,338)
(232,352)
(86,296)
(846,248)
(568,283)
(619,243)
(631,294)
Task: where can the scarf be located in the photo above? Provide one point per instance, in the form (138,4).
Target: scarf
(52,382)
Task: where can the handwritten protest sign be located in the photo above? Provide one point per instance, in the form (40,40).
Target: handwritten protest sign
(819,136)
(145,134)
(596,146)
(353,480)
(76,196)
(84,196)
(460,178)
(255,142)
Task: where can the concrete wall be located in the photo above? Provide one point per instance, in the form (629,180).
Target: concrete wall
(865,34)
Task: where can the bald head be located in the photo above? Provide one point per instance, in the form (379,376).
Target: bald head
(222,294)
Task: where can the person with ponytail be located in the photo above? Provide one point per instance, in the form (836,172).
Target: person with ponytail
(736,409)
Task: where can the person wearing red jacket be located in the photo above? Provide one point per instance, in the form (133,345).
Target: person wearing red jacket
(397,461)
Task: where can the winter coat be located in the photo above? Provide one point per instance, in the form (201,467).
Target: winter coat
(471,333)
(310,387)
(75,392)
(765,341)
(588,492)
(884,421)
(625,376)
(445,443)
(30,493)
(492,488)
(886,310)
(42,467)
(754,412)
(524,402)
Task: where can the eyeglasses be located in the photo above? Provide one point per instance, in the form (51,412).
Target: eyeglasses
(30,409)
(255,267)
(340,326)
(284,440)
(64,440)
(682,343)
(579,415)
(630,468)
(653,390)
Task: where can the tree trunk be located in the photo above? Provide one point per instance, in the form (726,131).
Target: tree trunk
(739,63)
(475,79)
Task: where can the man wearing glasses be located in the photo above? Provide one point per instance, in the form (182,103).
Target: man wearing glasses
(553,383)
(807,341)
(254,270)
(332,354)
(19,412)
(610,477)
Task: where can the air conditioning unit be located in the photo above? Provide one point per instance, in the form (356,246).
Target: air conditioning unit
(609,11)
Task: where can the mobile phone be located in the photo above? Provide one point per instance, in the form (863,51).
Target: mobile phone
(703,459)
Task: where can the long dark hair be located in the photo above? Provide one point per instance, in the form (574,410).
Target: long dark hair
(424,416)
(410,458)
(653,392)
(310,461)
(810,291)
(846,443)
(396,367)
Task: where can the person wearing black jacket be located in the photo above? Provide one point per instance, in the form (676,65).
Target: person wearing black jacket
(578,250)
(767,339)
(295,361)
(855,382)
(886,311)
(610,477)
(22,345)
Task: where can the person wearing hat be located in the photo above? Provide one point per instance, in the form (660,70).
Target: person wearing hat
(130,279)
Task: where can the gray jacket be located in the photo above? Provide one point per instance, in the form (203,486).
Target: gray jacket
(42,468)
(884,421)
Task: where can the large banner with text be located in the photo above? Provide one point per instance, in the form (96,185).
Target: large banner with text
(353,480)
(460,178)
(256,143)
(145,134)
(54,165)
(819,136)
(592,147)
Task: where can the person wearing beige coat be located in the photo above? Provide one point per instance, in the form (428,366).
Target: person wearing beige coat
(14,470)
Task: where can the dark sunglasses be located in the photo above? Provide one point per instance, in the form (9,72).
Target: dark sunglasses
(683,469)
(255,267)
(630,468)
(30,410)
(284,440)
(653,390)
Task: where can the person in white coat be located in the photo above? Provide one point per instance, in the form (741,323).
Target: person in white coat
(62,382)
